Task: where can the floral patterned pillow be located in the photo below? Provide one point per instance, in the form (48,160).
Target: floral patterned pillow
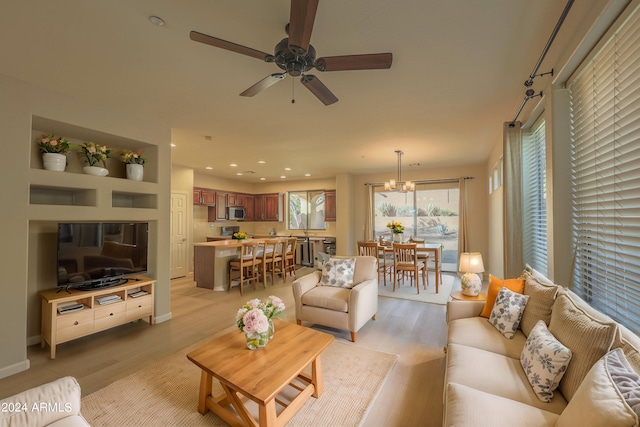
(507,311)
(544,360)
(338,272)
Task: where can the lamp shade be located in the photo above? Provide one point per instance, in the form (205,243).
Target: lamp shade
(471,262)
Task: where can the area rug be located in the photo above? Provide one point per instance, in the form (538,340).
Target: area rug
(404,291)
(166,392)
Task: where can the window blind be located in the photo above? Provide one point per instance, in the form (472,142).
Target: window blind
(605,167)
(534,200)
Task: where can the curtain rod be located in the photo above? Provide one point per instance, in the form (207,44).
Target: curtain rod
(529,82)
(427,181)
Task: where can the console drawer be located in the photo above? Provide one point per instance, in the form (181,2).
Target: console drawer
(109,316)
(139,307)
(74,325)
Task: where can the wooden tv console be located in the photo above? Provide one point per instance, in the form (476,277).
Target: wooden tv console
(94,316)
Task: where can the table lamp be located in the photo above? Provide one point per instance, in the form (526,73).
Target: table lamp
(471,264)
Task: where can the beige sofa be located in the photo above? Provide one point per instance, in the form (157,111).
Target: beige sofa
(348,307)
(55,404)
(486,384)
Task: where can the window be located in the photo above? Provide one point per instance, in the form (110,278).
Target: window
(534,198)
(306,210)
(605,167)
(429,213)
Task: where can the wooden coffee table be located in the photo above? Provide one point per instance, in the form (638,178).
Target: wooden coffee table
(260,375)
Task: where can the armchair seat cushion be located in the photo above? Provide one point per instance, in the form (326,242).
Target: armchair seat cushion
(329,297)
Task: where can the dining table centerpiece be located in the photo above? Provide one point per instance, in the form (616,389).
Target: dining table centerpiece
(134,164)
(54,152)
(255,319)
(94,154)
(397,229)
(240,235)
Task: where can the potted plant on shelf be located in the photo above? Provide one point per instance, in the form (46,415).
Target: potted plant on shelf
(54,152)
(134,162)
(95,154)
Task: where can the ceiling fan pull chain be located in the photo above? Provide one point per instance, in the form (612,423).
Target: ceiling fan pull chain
(293,91)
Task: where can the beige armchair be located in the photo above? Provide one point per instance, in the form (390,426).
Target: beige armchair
(336,307)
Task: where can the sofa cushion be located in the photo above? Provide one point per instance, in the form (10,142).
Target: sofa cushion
(338,272)
(330,297)
(470,407)
(588,339)
(538,275)
(609,395)
(495,284)
(495,374)
(541,299)
(507,311)
(479,333)
(544,360)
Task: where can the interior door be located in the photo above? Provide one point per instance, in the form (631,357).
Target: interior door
(178,243)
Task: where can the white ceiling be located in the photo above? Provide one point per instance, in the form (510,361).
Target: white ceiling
(457,75)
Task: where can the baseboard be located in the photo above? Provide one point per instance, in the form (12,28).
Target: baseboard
(163,318)
(15,368)
(36,339)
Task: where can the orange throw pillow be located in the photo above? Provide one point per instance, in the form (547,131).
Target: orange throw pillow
(495,284)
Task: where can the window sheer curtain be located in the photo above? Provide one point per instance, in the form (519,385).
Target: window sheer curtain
(369,212)
(512,200)
(463,234)
(605,151)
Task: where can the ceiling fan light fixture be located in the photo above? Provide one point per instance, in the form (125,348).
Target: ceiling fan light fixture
(156,20)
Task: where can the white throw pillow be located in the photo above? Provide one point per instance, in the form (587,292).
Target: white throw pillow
(507,311)
(609,395)
(338,272)
(544,360)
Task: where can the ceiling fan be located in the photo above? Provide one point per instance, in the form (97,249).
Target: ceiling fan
(296,56)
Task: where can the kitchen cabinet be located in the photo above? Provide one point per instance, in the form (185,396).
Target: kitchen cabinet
(219,211)
(235,199)
(204,196)
(330,205)
(267,207)
(249,207)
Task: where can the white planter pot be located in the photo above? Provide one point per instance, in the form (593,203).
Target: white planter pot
(397,237)
(54,161)
(135,171)
(95,170)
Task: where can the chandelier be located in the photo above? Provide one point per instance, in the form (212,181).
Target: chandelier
(399,186)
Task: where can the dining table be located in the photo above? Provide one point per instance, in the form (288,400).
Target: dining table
(433,249)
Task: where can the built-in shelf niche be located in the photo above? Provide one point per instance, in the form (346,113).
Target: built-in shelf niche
(121,199)
(44,195)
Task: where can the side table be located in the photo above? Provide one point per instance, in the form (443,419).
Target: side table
(482,296)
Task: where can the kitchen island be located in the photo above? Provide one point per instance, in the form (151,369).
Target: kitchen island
(211,262)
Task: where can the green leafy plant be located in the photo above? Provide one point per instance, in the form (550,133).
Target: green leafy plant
(95,153)
(132,157)
(49,144)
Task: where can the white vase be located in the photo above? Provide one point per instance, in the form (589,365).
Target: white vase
(135,171)
(54,161)
(95,170)
(397,237)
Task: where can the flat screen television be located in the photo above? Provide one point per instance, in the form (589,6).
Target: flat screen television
(93,255)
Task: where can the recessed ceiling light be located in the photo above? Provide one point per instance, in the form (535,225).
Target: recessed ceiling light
(307,174)
(239,173)
(282,176)
(287,169)
(156,20)
(173,145)
(209,168)
(262,162)
(263,179)
(233,165)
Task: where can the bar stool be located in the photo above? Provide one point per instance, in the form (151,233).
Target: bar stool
(290,257)
(245,265)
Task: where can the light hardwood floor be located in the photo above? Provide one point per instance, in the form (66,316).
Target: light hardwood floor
(410,396)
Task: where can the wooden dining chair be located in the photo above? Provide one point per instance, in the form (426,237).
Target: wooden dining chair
(405,259)
(373,249)
(422,256)
(290,257)
(271,259)
(245,265)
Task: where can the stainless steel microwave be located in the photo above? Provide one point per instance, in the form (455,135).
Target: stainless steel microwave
(234,212)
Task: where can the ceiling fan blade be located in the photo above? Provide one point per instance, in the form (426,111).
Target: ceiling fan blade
(318,88)
(301,18)
(264,84)
(372,61)
(233,47)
